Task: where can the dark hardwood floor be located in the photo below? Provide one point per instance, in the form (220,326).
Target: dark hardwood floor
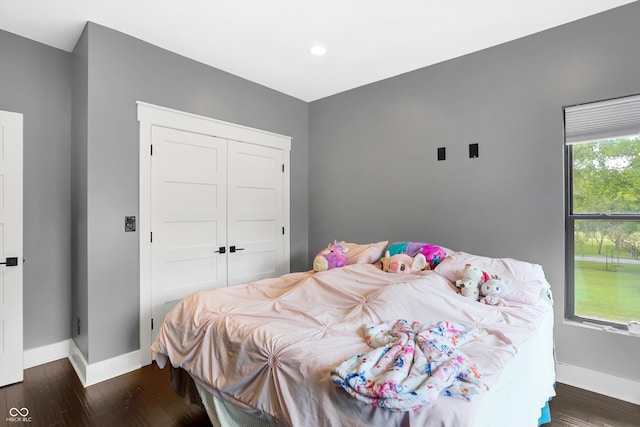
(54,396)
(574,407)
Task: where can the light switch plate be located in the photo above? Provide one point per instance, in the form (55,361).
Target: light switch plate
(129,223)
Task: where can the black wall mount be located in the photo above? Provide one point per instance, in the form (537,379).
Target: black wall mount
(473,151)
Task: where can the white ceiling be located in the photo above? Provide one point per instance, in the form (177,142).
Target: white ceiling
(268,41)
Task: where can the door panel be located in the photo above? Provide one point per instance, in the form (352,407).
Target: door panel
(255,212)
(11,326)
(206,225)
(188,216)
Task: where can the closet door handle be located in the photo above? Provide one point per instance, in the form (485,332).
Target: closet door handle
(220,250)
(233,249)
(10,262)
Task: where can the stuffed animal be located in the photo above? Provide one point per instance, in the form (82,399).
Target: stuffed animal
(471,280)
(433,254)
(473,275)
(399,263)
(333,256)
(470,290)
(419,263)
(493,289)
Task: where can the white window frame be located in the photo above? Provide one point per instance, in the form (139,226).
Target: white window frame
(597,121)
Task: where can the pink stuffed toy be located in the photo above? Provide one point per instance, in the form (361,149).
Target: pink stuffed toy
(432,254)
(402,263)
(333,256)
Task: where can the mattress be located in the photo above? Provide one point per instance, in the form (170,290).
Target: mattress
(262,353)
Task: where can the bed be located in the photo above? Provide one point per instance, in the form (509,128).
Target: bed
(268,353)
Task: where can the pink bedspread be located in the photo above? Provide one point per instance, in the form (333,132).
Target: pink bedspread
(269,346)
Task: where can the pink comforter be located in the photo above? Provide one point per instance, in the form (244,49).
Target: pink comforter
(269,346)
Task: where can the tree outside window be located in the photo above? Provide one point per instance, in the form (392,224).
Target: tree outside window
(603,226)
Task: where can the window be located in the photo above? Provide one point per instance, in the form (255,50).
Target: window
(602,175)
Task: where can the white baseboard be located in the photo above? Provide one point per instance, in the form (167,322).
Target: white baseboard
(94,373)
(89,374)
(598,382)
(78,362)
(46,353)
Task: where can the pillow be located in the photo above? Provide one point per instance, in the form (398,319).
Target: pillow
(447,250)
(365,254)
(527,280)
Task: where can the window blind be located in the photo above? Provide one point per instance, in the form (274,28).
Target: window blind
(614,118)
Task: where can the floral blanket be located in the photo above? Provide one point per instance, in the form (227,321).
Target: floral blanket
(411,364)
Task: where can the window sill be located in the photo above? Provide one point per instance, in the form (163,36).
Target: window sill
(597,327)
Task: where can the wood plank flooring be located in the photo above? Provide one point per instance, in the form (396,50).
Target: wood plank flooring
(54,396)
(574,407)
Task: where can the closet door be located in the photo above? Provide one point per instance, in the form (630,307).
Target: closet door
(255,212)
(188,216)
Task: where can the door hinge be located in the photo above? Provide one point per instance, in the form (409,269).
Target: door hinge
(151,236)
(151,153)
(283,167)
(282,230)
(152,324)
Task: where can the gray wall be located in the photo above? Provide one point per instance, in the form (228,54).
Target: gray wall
(373,172)
(35,81)
(79,219)
(122,70)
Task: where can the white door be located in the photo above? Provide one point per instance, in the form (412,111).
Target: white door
(255,213)
(188,217)
(11,364)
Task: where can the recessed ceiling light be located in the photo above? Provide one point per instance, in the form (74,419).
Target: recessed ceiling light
(318,50)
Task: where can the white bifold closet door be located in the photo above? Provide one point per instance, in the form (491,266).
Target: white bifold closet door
(216,215)
(188,216)
(255,214)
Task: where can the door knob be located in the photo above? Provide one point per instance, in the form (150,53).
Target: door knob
(220,250)
(10,262)
(233,249)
